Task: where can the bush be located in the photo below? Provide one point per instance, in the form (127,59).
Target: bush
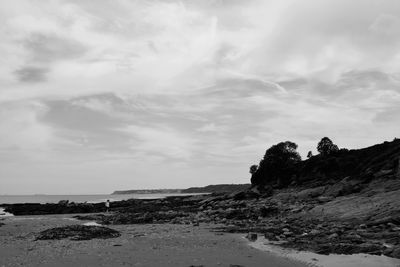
(278,165)
(326,147)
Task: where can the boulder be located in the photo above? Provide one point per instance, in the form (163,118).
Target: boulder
(251,236)
(270,236)
(315,232)
(63,202)
(396,252)
(333,236)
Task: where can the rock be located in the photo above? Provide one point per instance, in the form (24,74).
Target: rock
(353,237)
(270,210)
(324,199)
(251,236)
(388,251)
(333,236)
(315,232)
(382,173)
(265,191)
(311,193)
(342,188)
(63,202)
(78,232)
(286,234)
(371,248)
(245,195)
(323,249)
(343,248)
(270,236)
(396,252)
(396,169)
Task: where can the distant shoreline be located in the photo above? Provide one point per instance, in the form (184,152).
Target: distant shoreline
(148,191)
(216,188)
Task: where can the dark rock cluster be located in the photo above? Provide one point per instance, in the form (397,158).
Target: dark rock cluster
(77,232)
(64,207)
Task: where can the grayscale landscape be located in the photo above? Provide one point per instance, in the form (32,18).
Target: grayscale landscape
(200,133)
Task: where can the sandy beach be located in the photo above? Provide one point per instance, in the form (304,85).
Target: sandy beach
(139,245)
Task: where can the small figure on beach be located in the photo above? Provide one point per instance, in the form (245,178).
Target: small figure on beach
(107,205)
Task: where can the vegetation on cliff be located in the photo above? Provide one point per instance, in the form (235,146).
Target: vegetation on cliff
(282,166)
(217,188)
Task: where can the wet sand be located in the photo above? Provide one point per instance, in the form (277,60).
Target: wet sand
(139,245)
(332,260)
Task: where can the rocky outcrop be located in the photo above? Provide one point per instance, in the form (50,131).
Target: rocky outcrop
(63,207)
(77,232)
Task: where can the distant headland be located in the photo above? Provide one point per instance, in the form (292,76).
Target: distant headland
(217,188)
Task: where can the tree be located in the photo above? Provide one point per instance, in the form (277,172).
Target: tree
(278,164)
(253,169)
(326,147)
(309,155)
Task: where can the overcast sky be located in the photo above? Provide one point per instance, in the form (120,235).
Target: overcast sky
(97,96)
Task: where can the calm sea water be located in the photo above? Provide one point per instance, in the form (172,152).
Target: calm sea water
(12,199)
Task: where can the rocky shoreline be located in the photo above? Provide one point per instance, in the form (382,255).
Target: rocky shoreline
(323,219)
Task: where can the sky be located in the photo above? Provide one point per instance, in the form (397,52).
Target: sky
(104,95)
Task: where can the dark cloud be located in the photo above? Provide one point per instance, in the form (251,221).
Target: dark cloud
(48,48)
(31,74)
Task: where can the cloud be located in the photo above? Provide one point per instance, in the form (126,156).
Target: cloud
(161,140)
(386,25)
(199,88)
(31,74)
(48,48)
(22,129)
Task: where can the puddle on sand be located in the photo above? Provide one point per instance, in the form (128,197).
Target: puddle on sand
(92,224)
(4,214)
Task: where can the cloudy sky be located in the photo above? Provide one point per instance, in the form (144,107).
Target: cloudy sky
(103,95)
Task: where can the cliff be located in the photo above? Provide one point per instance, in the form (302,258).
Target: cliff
(361,165)
(147,191)
(217,188)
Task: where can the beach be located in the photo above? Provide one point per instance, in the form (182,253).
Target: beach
(149,245)
(286,229)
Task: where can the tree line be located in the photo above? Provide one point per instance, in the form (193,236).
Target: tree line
(280,161)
